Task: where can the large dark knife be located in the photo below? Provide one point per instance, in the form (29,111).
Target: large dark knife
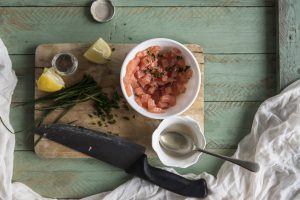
(123,154)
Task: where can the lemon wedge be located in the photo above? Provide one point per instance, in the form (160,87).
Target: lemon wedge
(99,52)
(49,81)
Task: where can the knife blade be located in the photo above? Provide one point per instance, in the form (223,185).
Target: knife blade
(123,154)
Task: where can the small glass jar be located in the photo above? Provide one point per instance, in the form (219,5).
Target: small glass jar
(65,63)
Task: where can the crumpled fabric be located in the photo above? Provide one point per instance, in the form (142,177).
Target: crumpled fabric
(274,142)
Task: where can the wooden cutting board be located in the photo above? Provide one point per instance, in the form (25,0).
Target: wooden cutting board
(129,125)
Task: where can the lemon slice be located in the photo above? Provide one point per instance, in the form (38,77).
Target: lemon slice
(49,81)
(99,52)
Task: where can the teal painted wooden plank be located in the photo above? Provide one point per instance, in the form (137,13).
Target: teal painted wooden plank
(23,65)
(24,69)
(288,42)
(155,3)
(226,123)
(76,178)
(250,77)
(217,29)
(240,77)
(24,90)
(70,184)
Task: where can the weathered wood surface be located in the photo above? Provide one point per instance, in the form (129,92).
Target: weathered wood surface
(217,29)
(239,42)
(288,42)
(136,128)
(141,3)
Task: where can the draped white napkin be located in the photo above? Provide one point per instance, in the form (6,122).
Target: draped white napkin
(274,142)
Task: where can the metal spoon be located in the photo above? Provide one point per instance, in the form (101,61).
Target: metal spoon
(181,144)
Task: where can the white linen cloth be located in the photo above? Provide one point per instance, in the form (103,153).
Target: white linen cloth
(274,142)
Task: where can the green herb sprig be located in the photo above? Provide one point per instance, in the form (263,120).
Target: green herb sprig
(85,90)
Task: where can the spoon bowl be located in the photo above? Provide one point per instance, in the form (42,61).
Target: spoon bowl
(181,124)
(176,144)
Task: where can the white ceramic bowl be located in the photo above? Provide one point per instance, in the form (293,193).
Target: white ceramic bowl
(183,101)
(175,124)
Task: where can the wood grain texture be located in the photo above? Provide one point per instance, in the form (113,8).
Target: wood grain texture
(288,42)
(225,123)
(140,3)
(217,29)
(238,77)
(229,77)
(77,178)
(138,129)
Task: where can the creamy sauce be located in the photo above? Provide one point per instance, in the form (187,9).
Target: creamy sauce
(182,129)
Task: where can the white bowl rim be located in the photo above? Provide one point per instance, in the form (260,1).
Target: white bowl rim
(186,161)
(147,113)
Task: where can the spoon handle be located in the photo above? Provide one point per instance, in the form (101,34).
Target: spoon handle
(251,166)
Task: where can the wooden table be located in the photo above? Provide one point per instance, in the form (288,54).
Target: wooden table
(239,40)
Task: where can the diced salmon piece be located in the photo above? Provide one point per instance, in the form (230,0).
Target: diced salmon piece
(141,54)
(128,89)
(172,61)
(176,51)
(164,63)
(134,83)
(144,99)
(162,105)
(171,100)
(166,55)
(165,78)
(151,90)
(154,64)
(132,65)
(174,72)
(145,61)
(153,84)
(127,79)
(181,78)
(156,96)
(151,104)
(139,91)
(138,101)
(181,63)
(168,90)
(170,55)
(178,88)
(139,74)
(154,49)
(145,80)
(160,82)
(181,88)
(189,73)
(157,110)
(146,88)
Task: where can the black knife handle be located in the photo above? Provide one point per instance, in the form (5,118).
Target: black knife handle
(168,180)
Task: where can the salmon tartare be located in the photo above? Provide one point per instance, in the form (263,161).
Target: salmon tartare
(156,78)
